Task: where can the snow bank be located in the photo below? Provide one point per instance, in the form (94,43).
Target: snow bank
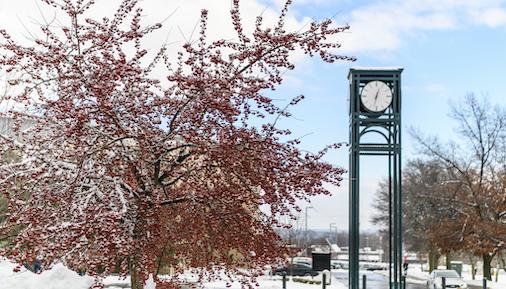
(59,277)
(501,284)
(275,283)
(416,275)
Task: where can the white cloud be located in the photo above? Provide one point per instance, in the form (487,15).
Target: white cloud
(492,17)
(436,89)
(384,26)
(379,26)
(387,25)
(19,17)
(281,3)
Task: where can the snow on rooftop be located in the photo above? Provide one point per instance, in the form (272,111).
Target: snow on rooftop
(381,68)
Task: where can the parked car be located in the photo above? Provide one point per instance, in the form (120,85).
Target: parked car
(334,264)
(303,263)
(296,269)
(452,278)
(345,265)
(374,267)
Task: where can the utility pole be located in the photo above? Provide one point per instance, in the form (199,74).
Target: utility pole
(332,225)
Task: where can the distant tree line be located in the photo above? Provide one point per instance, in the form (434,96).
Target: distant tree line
(297,237)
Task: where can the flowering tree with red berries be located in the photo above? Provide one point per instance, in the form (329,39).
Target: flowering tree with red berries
(118,168)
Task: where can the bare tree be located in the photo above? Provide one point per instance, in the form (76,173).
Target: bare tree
(477,160)
(425,203)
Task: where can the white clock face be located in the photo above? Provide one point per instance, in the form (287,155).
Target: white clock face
(376,96)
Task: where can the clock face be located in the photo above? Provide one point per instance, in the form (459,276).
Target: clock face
(376,96)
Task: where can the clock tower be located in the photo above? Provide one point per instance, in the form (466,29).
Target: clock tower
(375,130)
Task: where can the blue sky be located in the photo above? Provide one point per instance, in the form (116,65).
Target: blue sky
(447,47)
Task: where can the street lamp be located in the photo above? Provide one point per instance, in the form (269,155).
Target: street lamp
(305,233)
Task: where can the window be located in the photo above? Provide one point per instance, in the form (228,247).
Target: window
(447,274)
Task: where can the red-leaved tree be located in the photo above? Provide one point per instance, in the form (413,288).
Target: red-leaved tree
(120,169)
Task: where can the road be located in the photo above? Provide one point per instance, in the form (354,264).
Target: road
(374,280)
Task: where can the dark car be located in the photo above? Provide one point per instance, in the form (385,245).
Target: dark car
(35,267)
(297,269)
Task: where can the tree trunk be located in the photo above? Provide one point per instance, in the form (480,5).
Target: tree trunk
(433,260)
(501,262)
(473,269)
(496,272)
(134,266)
(448,261)
(136,281)
(487,259)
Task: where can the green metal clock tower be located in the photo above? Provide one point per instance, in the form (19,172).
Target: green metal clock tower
(375,129)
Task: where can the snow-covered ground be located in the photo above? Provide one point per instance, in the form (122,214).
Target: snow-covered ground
(416,275)
(60,277)
(500,284)
(276,283)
